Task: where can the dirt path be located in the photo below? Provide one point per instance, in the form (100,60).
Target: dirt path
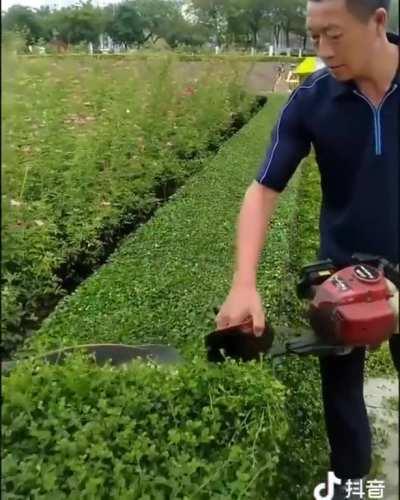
(258,77)
(262,77)
(376,392)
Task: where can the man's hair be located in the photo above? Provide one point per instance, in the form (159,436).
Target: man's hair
(363,9)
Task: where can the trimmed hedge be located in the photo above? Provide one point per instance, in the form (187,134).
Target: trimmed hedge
(161,285)
(140,56)
(144,432)
(75,422)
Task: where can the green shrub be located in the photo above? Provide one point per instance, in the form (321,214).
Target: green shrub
(167,276)
(161,285)
(194,431)
(184,57)
(86,159)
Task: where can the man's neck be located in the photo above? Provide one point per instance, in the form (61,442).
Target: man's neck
(380,74)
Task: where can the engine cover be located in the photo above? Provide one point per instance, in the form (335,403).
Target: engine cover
(352,307)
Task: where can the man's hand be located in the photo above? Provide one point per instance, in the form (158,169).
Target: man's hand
(242,304)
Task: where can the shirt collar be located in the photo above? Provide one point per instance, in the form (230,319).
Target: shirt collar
(344,88)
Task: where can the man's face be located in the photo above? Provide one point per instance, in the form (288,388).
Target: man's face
(342,41)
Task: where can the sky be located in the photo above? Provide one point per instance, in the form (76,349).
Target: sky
(6,4)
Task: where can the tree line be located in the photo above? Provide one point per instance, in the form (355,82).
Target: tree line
(179,22)
(192,23)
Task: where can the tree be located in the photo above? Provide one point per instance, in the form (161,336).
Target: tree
(212,14)
(81,23)
(178,22)
(158,17)
(24,21)
(126,24)
(181,32)
(296,22)
(44,17)
(285,15)
(251,15)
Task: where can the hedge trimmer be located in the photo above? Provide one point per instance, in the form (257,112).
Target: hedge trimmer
(357,305)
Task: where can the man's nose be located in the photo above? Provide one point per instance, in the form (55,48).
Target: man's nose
(325,51)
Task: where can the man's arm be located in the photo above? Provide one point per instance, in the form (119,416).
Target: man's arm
(252,229)
(290,143)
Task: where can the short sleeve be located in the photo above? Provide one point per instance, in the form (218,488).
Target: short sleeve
(290,143)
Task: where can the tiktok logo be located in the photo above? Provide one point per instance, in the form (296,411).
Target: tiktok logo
(332,480)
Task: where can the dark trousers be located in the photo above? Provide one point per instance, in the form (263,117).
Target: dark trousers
(346,419)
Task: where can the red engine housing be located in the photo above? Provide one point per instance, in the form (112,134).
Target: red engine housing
(351,307)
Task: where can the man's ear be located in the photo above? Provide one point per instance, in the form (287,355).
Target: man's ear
(381,20)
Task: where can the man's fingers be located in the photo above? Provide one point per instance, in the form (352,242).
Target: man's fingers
(222,321)
(247,325)
(258,323)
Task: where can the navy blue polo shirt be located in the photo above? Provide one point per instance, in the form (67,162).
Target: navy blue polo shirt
(357,151)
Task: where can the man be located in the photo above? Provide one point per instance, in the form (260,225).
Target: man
(349,112)
(280,69)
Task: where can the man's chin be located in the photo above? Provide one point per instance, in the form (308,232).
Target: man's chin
(342,79)
(340,73)
(341,76)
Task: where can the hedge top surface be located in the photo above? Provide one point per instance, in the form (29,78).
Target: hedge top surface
(163,281)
